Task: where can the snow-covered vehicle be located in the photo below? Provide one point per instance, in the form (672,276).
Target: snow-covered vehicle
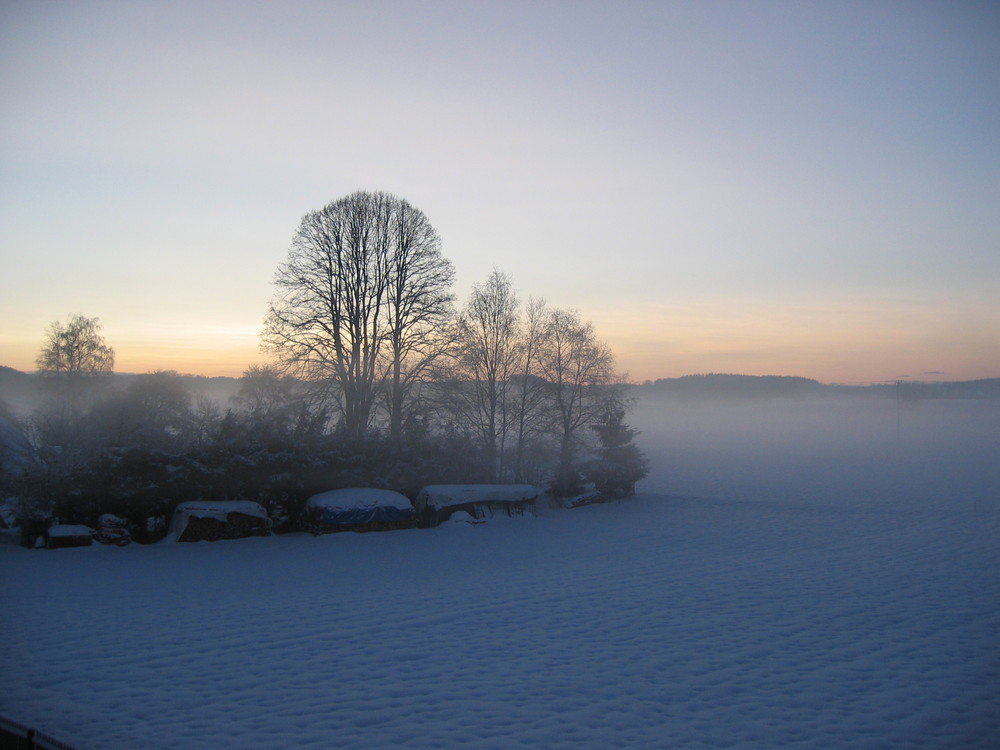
(197,521)
(359,509)
(437,502)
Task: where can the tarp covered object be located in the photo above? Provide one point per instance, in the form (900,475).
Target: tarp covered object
(358,505)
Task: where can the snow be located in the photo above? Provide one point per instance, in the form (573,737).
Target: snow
(64,530)
(442,496)
(359,506)
(359,498)
(792,576)
(218,510)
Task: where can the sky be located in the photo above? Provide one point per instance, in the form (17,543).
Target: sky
(784,188)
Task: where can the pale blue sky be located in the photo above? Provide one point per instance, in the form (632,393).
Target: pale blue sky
(761,187)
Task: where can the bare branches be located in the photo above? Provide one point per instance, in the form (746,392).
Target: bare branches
(76,348)
(362,309)
(361,300)
(579,374)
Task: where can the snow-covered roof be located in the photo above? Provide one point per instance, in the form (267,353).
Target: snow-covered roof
(219,509)
(68,530)
(359,497)
(448,495)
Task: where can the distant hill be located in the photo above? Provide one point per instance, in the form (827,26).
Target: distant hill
(717,385)
(217,388)
(723,386)
(18,390)
(986,388)
(22,391)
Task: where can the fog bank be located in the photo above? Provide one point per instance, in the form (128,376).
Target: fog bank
(840,450)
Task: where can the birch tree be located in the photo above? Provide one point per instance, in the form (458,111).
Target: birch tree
(76,349)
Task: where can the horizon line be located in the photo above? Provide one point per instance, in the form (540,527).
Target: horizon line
(851,384)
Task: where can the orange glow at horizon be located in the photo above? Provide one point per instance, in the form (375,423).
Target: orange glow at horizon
(861,343)
(853,346)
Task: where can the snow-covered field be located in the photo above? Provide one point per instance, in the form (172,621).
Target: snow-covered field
(793,574)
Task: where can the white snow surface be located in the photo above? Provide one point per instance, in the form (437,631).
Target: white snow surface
(359,497)
(790,576)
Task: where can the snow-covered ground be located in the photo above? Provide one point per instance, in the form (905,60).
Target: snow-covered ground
(792,575)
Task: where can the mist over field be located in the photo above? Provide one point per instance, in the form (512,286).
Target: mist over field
(845,450)
(794,572)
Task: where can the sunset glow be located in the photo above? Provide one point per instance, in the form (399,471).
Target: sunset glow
(767,188)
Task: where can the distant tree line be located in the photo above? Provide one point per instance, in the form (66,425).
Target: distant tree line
(377,379)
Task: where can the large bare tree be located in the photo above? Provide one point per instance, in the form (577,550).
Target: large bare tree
(358,303)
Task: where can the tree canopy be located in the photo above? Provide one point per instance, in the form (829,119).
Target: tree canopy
(361,302)
(76,348)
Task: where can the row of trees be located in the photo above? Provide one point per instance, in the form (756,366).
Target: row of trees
(377,379)
(363,308)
